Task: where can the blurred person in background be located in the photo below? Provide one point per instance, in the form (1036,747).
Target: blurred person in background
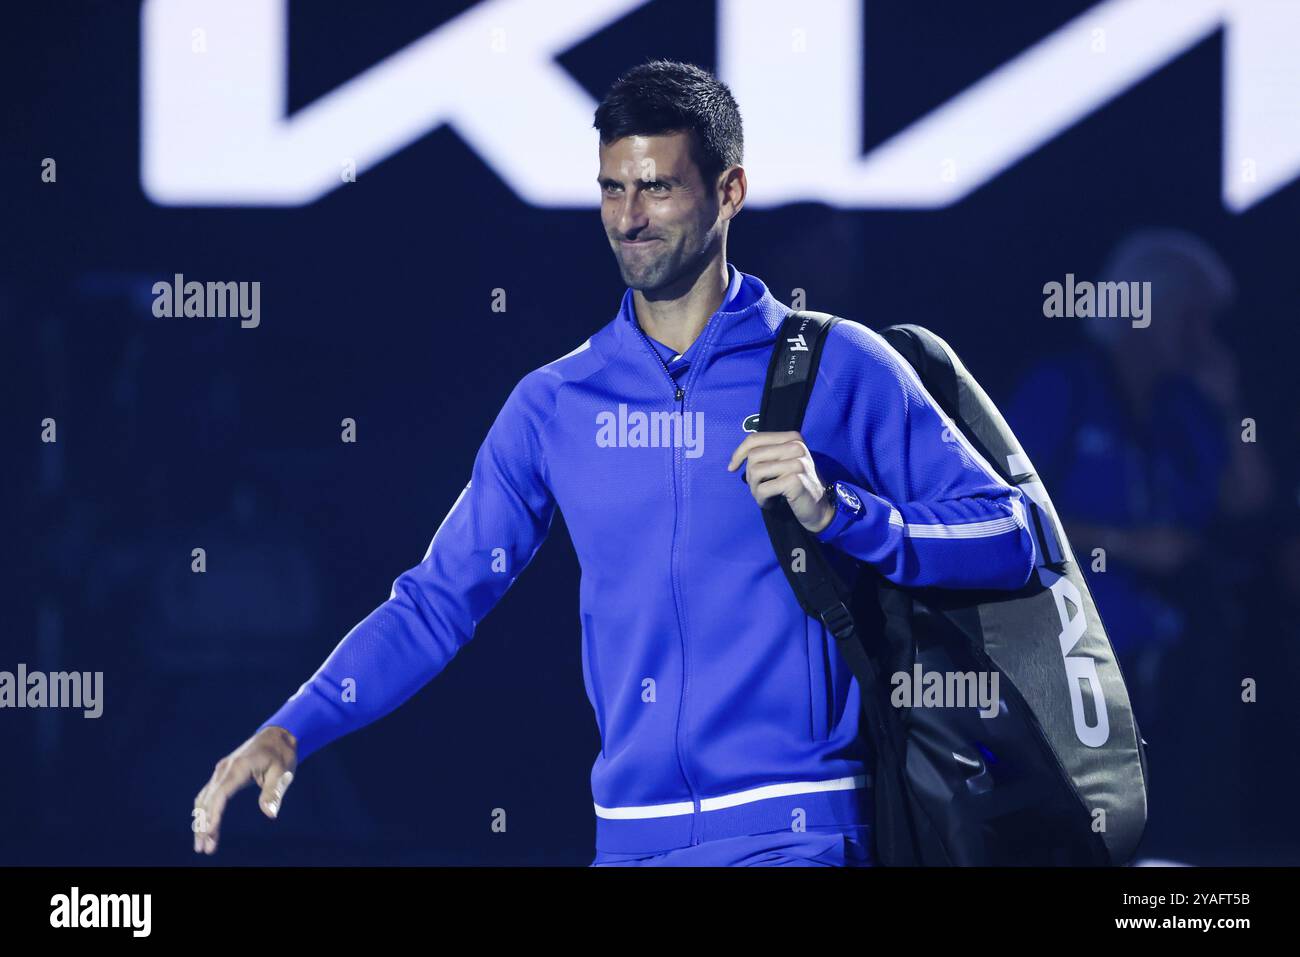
(1138,437)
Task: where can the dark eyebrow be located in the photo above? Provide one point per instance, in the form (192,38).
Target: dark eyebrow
(604,181)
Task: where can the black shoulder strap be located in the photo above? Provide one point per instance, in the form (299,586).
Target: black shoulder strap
(821,592)
(790,378)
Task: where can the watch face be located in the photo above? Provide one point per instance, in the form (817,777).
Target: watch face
(846,496)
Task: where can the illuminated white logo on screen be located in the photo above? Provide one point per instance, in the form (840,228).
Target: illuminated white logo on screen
(215,132)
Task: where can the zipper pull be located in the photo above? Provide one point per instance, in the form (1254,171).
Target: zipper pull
(681,393)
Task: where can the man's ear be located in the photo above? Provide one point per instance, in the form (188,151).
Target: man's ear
(732,187)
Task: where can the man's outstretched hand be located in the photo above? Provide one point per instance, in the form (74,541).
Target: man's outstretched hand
(267,758)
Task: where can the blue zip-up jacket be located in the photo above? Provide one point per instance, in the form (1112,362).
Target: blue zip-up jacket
(723,708)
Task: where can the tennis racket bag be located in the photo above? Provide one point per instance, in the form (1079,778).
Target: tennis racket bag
(1058,776)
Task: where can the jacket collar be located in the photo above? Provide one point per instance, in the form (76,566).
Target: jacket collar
(749,313)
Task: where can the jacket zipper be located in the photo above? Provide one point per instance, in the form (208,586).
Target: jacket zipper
(679,396)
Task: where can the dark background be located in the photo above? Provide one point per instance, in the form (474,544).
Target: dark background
(177,434)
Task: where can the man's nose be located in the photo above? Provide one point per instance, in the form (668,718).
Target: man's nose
(631,215)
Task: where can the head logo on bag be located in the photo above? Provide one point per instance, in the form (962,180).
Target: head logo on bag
(1070,609)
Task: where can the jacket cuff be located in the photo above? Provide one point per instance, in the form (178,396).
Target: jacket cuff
(876,513)
(837,524)
(301,716)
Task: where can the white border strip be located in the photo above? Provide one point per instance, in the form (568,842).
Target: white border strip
(994,526)
(982,529)
(731,800)
(647,810)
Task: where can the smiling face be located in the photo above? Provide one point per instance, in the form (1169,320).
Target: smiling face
(663,221)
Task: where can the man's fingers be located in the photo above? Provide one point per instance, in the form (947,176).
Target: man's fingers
(225,782)
(199,825)
(760,472)
(790,451)
(277,781)
(778,452)
(267,759)
(776,487)
(755,441)
(216,807)
(201,816)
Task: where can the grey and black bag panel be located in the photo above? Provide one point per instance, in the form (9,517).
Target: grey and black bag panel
(1059,775)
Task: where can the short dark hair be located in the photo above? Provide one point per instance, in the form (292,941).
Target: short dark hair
(666,96)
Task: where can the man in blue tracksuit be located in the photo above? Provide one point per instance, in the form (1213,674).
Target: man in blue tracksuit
(729,723)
